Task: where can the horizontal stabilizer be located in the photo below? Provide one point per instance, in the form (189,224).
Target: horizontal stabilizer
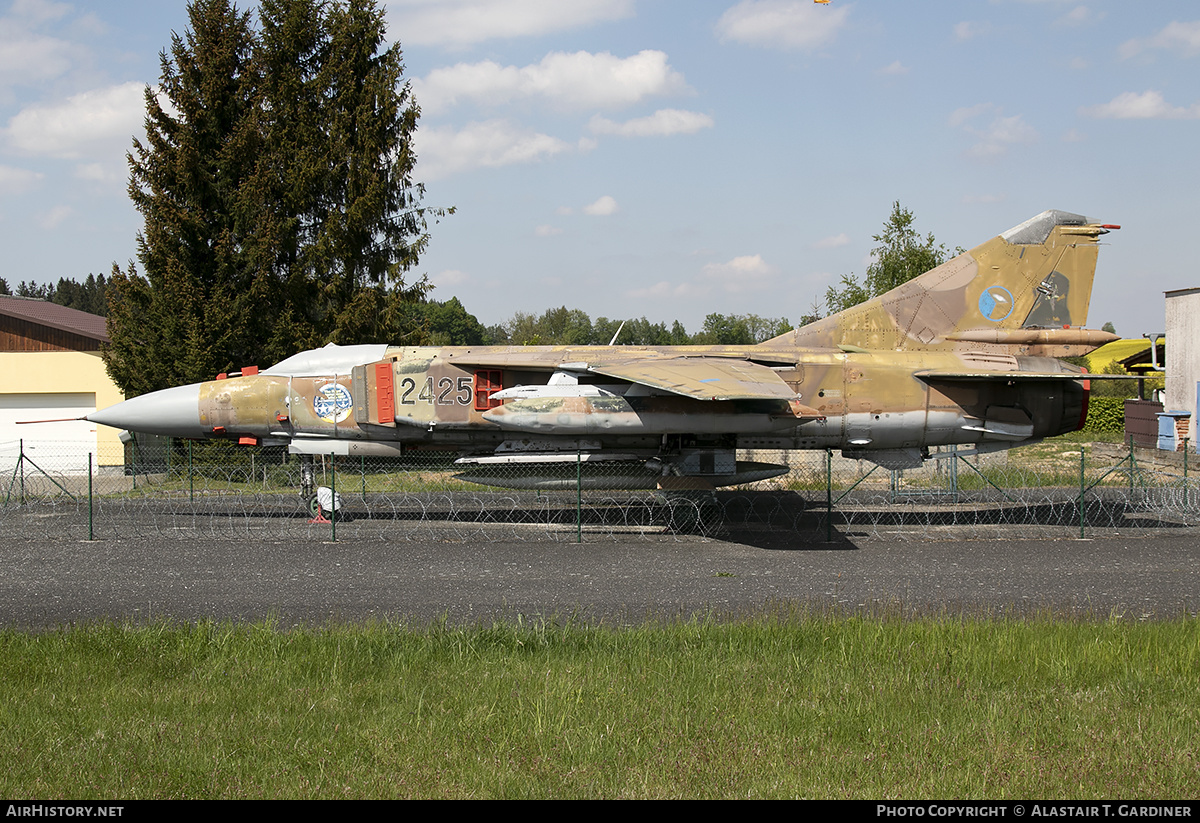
(1018,375)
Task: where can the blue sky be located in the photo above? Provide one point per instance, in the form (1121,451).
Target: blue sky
(672,159)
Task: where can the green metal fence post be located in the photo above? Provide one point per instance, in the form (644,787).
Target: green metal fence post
(191,479)
(1131,466)
(91,529)
(1081,491)
(21,463)
(579,496)
(828,496)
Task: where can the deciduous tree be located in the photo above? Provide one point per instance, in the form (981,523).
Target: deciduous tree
(901,255)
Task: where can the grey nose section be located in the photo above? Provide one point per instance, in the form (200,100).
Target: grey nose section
(173,412)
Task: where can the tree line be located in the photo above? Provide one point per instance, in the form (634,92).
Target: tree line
(573,327)
(429,322)
(90,295)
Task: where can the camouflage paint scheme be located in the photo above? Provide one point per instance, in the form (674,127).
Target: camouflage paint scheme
(964,354)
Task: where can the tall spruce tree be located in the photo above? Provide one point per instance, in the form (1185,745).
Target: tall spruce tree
(189,313)
(339,126)
(280,211)
(290,54)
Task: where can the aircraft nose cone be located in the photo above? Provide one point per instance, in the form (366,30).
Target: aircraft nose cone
(173,412)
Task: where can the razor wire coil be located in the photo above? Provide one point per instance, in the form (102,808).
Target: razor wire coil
(227,492)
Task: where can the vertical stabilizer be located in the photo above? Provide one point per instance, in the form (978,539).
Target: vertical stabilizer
(1010,290)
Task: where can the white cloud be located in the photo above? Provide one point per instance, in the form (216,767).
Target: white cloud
(832,242)
(664,289)
(894,68)
(17,181)
(1010,130)
(1080,15)
(1000,135)
(490,144)
(52,218)
(784,24)
(960,116)
(547,231)
(969,30)
(574,81)
(1175,36)
(603,207)
(662,123)
(994,139)
(1149,105)
(39,11)
(109,115)
(450,277)
(28,58)
(102,172)
(459,23)
(746,273)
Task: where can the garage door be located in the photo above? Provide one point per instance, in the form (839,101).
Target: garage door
(59,447)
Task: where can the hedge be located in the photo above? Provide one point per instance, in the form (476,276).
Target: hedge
(1105,414)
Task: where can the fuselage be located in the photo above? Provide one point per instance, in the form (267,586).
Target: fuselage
(962,355)
(442,397)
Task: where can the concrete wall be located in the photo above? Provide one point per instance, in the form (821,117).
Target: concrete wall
(1183,350)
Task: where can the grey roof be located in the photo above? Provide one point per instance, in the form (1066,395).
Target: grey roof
(92,326)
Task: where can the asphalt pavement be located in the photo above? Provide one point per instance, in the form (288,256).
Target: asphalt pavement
(47,583)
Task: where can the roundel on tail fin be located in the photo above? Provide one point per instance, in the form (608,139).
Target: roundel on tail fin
(996,303)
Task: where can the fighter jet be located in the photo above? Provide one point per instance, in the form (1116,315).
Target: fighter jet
(963,355)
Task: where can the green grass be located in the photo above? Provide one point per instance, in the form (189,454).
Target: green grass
(795,704)
(213,481)
(1078,437)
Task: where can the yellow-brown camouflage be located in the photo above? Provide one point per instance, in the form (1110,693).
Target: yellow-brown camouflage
(963,354)
(1023,292)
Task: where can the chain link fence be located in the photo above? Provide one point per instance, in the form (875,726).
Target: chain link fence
(179,489)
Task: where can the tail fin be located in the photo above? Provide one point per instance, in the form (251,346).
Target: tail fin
(1028,287)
